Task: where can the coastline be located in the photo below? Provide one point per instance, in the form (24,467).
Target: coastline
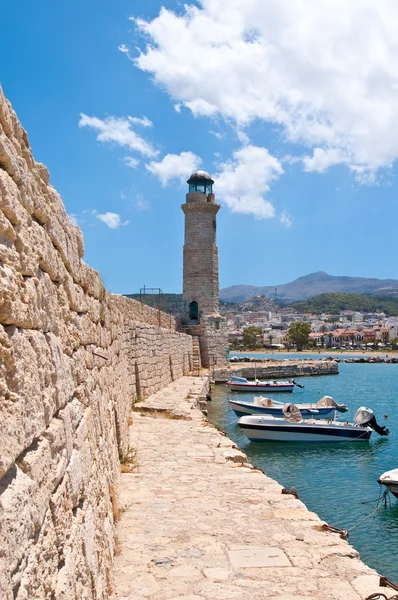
(294,353)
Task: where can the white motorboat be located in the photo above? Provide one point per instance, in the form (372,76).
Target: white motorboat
(390,480)
(292,428)
(241,384)
(324,408)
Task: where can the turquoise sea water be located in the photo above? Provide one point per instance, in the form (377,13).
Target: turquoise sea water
(333,479)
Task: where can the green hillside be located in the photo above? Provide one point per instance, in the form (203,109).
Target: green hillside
(169,303)
(334,302)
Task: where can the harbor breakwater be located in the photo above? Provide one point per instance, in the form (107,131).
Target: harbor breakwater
(277,369)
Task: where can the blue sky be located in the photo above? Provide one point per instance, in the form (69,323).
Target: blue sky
(293,112)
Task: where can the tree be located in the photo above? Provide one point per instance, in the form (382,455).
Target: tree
(394,343)
(298,333)
(352,337)
(385,336)
(322,341)
(252,337)
(235,343)
(270,339)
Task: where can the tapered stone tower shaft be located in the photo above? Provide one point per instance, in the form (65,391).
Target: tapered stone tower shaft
(200,279)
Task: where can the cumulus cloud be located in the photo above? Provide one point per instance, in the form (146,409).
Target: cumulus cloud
(131,162)
(174,166)
(243,181)
(326,73)
(286,219)
(322,159)
(118,130)
(111,219)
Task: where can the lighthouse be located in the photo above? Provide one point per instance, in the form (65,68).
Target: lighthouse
(201,313)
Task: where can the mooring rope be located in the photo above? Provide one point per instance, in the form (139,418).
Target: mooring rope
(365,518)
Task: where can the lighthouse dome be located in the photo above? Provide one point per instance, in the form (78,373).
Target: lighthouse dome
(200,181)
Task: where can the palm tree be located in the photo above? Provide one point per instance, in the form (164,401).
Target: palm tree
(270,339)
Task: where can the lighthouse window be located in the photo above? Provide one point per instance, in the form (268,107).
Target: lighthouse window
(192,187)
(208,187)
(200,186)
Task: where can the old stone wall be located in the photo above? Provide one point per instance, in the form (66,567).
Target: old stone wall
(214,341)
(73,358)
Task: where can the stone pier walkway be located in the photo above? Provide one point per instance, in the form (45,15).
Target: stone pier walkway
(198,523)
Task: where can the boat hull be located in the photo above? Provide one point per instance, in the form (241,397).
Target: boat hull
(270,429)
(258,387)
(248,408)
(390,480)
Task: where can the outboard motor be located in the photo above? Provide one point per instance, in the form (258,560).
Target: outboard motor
(365,416)
(298,384)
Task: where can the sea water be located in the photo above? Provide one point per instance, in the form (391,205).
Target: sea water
(336,479)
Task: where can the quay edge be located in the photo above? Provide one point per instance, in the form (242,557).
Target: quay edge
(276,370)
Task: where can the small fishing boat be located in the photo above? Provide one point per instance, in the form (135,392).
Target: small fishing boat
(292,428)
(241,384)
(390,480)
(324,408)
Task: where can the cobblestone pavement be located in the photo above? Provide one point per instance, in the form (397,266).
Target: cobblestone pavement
(199,523)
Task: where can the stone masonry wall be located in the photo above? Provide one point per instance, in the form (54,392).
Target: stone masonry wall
(73,358)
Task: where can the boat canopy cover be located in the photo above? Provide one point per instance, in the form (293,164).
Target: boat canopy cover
(292,413)
(363,416)
(262,401)
(326,401)
(238,379)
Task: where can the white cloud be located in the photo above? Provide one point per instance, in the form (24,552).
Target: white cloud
(141,204)
(174,166)
(112,220)
(131,162)
(286,219)
(326,73)
(217,134)
(242,182)
(118,130)
(144,121)
(74,218)
(322,159)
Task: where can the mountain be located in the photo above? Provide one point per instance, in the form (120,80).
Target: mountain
(312,285)
(334,302)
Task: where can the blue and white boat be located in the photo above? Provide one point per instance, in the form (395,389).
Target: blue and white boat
(323,409)
(292,428)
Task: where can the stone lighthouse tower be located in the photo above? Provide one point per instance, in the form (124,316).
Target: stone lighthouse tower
(200,279)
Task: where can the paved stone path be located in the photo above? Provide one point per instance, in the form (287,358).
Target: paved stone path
(199,523)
